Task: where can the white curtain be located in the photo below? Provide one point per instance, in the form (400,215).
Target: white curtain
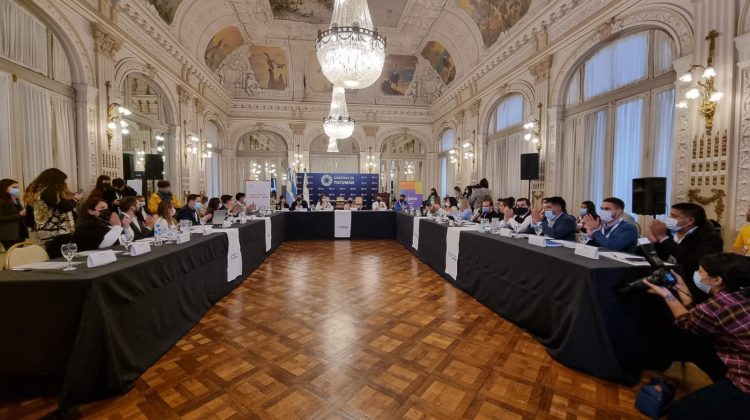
(23,38)
(663,52)
(504,165)
(448,140)
(574,130)
(495,164)
(618,64)
(574,89)
(63,136)
(594,146)
(446,176)
(6,149)
(628,149)
(663,137)
(60,64)
(32,105)
(509,112)
(334,163)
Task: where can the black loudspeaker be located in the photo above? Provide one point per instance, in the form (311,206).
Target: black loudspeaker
(128,167)
(650,196)
(529,166)
(154,167)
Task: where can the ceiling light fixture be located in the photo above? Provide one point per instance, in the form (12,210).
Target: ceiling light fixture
(338,124)
(351,52)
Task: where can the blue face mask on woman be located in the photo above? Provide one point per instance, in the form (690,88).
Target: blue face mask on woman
(583,212)
(699,284)
(13,191)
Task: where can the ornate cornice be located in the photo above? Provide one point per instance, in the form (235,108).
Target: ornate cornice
(105,42)
(298,129)
(183,94)
(371,130)
(540,70)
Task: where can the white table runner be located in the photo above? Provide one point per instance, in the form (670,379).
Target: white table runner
(234,253)
(452,237)
(342,224)
(415,233)
(267,221)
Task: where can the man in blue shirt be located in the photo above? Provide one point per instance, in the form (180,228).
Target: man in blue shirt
(555,221)
(401,203)
(611,231)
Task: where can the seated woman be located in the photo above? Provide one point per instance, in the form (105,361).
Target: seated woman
(324,204)
(97,227)
(282,204)
(464,209)
(350,205)
(165,213)
(726,317)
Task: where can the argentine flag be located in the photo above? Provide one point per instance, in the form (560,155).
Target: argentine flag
(291,186)
(305,189)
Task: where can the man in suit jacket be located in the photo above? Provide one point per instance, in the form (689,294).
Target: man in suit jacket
(142,227)
(683,238)
(299,204)
(190,210)
(555,221)
(611,231)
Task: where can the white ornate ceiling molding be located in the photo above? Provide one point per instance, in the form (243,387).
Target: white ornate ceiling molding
(144,25)
(106,43)
(78,56)
(670,19)
(539,18)
(128,66)
(540,70)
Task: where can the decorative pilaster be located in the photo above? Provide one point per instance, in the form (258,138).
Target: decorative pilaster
(371,131)
(541,73)
(110,153)
(298,139)
(739,150)
(86,136)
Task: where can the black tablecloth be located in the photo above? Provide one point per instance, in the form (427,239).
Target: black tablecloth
(432,244)
(369,224)
(567,302)
(404,229)
(320,224)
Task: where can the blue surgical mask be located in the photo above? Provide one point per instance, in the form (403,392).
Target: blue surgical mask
(699,284)
(485,209)
(606,216)
(582,212)
(459,205)
(549,215)
(13,191)
(198,206)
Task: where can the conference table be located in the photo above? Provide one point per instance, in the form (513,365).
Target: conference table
(100,328)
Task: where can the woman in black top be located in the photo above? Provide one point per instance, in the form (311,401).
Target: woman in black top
(12,213)
(53,204)
(98,227)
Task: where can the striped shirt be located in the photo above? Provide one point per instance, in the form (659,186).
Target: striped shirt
(725,316)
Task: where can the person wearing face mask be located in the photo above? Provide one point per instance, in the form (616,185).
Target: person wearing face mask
(143,227)
(400,204)
(485,211)
(102,188)
(299,204)
(517,218)
(282,204)
(98,227)
(12,214)
(379,204)
(324,204)
(683,238)
(742,243)
(725,316)
(165,215)
(554,220)
(451,205)
(190,210)
(163,194)
(228,204)
(464,209)
(611,231)
(587,208)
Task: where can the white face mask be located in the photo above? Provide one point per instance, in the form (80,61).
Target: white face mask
(606,216)
(671,223)
(699,284)
(173,212)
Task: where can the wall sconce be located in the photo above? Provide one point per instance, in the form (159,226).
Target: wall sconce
(468,147)
(298,165)
(409,168)
(270,170)
(534,129)
(114,113)
(160,145)
(370,161)
(705,90)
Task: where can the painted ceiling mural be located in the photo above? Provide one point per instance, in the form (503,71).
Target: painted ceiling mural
(398,72)
(494,16)
(221,45)
(250,68)
(166,8)
(385,13)
(441,60)
(314,80)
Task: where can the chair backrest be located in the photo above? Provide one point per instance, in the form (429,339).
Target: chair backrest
(24,253)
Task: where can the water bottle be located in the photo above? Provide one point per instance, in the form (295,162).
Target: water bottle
(157,234)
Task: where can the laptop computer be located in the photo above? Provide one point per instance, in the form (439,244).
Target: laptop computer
(218,217)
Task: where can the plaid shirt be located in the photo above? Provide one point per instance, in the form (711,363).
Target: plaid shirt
(725,316)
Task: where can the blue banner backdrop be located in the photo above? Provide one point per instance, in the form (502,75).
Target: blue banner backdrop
(340,185)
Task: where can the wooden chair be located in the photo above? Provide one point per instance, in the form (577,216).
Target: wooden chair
(24,253)
(340,201)
(358,202)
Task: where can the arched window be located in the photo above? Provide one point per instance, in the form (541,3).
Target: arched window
(213,164)
(447,169)
(346,160)
(37,101)
(261,155)
(505,145)
(619,118)
(402,158)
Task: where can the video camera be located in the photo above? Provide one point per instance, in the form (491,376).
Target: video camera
(661,276)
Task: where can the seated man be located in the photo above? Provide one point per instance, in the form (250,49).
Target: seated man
(742,243)
(555,221)
(517,218)
(299,203)
(683,238)
(379,204)
(190,210)
(142,226)
(401,203)
(487,211)
(611,231)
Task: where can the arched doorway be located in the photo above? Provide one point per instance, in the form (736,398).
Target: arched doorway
(402,158)
(346,160)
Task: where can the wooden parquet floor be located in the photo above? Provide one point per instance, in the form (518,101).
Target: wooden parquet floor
(355,329)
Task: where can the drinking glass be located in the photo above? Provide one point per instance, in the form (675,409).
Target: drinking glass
(125,239)
(69,251)
(583,238)
(538,229)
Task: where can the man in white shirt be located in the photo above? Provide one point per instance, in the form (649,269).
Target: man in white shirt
(379,204)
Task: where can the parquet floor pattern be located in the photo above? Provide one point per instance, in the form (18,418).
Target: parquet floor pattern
(353,329)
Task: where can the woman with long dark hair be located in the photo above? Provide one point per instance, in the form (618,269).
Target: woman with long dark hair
(12,213)
(53,204)
(102,188)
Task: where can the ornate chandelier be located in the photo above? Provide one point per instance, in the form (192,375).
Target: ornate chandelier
(338,124)
(333,146)
(351,52)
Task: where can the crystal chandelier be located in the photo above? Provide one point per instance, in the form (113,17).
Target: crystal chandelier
(338,124)
(351,52)
(333,146)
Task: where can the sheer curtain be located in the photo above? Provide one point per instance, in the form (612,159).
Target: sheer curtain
(663,52)
(6,150)
(342,164)
(618,64)
(509,112)
(60,64)
(23,38)
(446,176)
(594,145)
(494,164)
(663,137)
(628,149)
(63,136)
(513,186)
(574,129)
(34,126)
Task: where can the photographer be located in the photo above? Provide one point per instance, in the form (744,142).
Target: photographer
(726,317)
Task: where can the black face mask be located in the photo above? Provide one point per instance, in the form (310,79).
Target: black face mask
(520,211)
(105,214)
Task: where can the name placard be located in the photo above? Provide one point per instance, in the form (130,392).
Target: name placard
(537,240)
(139,248)
(587,251)
(183,237)
(101,258)
(505,232)
(226,224)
